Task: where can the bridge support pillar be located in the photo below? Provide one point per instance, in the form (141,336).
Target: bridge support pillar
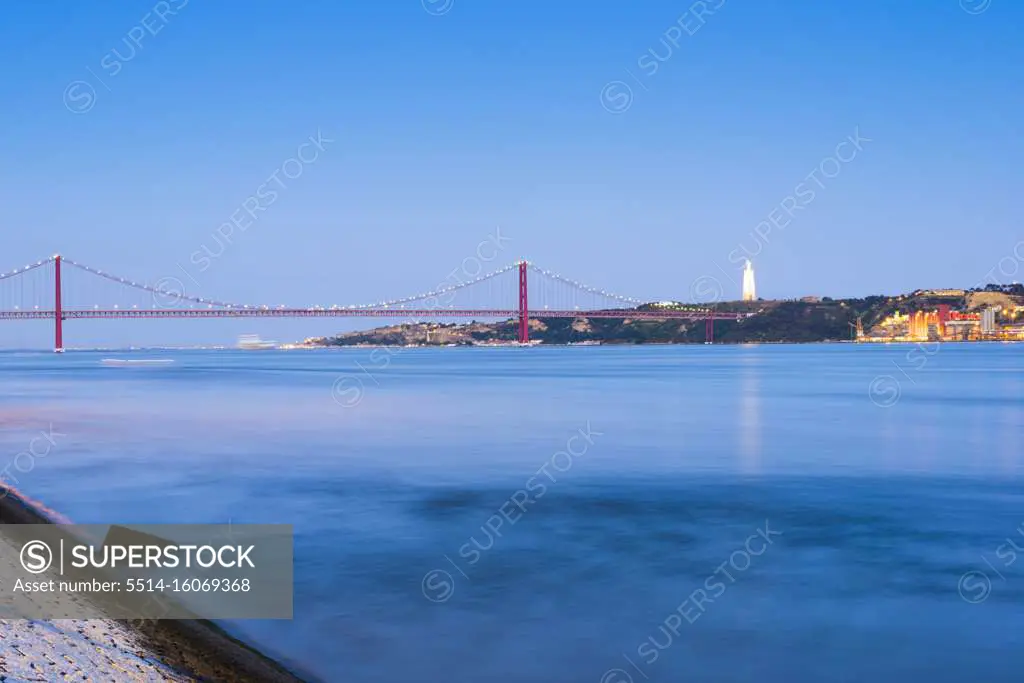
(524,314)
(709,330)
(58,310)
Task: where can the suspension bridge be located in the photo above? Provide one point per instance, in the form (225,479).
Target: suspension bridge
(61,289)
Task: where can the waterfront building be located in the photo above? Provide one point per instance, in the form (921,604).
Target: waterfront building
(988,321)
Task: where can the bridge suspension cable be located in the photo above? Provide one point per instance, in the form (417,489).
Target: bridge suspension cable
(439,292)
(585,288)
(181,296)
(22,271)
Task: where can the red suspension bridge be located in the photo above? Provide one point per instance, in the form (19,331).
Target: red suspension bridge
(60,289)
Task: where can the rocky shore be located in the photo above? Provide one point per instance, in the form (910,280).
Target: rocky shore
(117,650)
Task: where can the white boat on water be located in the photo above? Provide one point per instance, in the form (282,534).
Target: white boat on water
(117,362)
(252,342)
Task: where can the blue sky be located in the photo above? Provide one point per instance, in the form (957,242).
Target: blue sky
(133,130)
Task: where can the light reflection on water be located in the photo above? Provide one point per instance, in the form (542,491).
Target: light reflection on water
(882,508)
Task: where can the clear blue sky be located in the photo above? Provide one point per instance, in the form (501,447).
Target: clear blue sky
(452,117)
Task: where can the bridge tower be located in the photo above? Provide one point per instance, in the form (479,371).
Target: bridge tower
(709,330)
(524,314)
(58,311)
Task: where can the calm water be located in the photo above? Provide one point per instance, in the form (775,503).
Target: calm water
(578,514)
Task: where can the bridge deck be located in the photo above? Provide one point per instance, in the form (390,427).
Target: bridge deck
(357,313)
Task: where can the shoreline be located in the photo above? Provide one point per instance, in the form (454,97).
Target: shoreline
(179,650)
(343,347)
(628,344)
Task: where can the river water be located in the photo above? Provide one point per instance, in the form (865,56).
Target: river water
(595,514)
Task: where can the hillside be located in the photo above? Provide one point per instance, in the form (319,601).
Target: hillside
(770,322)
(806,320)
